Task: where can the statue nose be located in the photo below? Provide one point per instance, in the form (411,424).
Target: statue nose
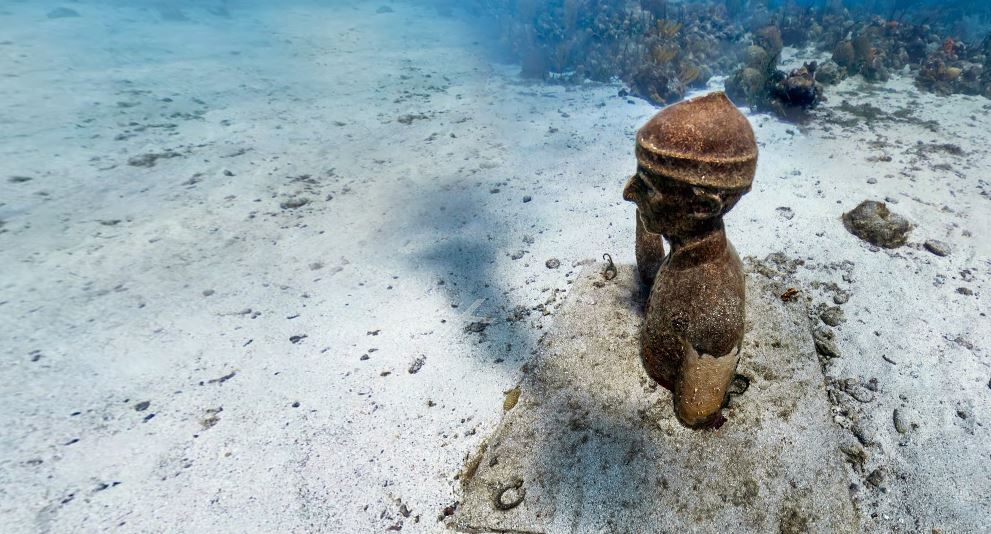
(630,190)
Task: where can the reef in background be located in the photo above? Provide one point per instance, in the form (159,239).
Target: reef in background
(661,48)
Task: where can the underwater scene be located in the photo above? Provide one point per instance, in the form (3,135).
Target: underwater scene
(522,266)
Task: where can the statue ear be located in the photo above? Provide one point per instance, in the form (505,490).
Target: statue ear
(706,204)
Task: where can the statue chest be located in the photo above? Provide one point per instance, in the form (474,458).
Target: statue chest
(703,304)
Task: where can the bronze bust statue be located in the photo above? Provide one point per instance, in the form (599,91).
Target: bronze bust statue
(695,160)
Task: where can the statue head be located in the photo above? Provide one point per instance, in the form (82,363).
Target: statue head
(695,160)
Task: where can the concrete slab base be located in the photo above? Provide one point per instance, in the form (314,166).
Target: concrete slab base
(592,444)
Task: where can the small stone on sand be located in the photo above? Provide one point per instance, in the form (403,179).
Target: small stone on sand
(874,223)
(938,248)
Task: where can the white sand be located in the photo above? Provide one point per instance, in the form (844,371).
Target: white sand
(401,226)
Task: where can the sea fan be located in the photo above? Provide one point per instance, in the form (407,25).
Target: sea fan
(668,28)
(663,54)
(688,74)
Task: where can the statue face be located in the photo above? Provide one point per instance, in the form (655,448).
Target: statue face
(666,210)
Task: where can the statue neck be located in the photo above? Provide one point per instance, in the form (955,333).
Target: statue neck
(699,248)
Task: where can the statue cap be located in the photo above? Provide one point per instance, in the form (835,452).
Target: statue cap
(704,141)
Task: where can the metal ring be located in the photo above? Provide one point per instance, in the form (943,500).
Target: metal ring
(610,271)
(517,485)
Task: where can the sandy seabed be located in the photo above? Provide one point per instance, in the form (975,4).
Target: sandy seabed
(273,267)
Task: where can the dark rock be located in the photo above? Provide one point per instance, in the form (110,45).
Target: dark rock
(151,158)
(527,198)
(855,454)
(833,316)
(872,385)
(799,88)
(857,390)
(417,365)
(965,291)
(827,348)
(963,342)
(901,424)
(862,434)
(829,73)
(874,223)
(518,313)
(409,118)
(938,248)
(477,327)
(222,379)
(739,385)
(293,203)
(824,343)
(876,478)
(552,263)
(841,297)
(142,406)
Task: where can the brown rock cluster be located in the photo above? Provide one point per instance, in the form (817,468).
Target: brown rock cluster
(873,222)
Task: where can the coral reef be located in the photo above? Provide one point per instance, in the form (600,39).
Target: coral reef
(760,85)
(663,48)
(955,68)
(659,49)
(798,89)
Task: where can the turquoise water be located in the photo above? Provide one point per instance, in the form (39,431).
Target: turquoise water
(277,266)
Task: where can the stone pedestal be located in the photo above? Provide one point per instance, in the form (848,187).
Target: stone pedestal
(592,445)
